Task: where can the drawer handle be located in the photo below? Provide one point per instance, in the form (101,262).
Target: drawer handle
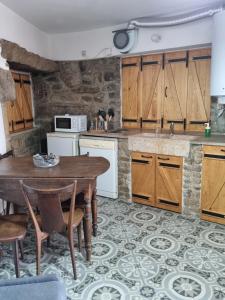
(214,156)
(140,161)
(146,156)
(169,166)
(222,150)
(213,214)
(140,196)
(168,202)
(163,158)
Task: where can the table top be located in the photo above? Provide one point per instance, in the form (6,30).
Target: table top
(69,167)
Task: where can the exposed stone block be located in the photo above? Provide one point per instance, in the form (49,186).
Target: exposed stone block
(15,54)
(7,86)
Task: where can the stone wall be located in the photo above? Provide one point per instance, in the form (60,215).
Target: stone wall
(81,87)
(192,170)
(124,170)
(26,142)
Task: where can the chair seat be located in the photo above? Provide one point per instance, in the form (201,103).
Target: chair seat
(13,227)
(77,216)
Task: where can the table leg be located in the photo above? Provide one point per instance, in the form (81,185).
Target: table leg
(87,223)
(94,213)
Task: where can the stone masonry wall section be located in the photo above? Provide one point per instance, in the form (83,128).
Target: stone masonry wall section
(81,87)
(124,170)
(192,171)
(26,143)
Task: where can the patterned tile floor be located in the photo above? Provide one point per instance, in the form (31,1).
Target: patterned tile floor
(139,253)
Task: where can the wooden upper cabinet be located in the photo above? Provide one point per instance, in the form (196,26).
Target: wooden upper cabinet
(130,92)
(198,102)
(19,112)
(213,184)
(171,87)
(152,90)
(176,77)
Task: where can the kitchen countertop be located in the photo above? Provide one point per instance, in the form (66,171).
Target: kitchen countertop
(192,137)
(121,134)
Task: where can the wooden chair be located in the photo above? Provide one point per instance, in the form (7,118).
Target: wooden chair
(47,196)
(7,209)
(13,230)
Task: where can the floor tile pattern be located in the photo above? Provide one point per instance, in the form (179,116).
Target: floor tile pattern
(140,253)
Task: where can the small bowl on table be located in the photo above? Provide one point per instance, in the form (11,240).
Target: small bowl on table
(45,161)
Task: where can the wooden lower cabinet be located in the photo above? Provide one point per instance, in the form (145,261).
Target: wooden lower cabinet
(213,184)
(169,182)
(157,180)
(143,178)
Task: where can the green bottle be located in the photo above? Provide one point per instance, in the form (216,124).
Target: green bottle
(207,130)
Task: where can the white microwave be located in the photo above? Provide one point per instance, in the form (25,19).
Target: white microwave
(70,123)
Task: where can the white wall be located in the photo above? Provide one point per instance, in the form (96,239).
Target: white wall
(98,43)
(15,29)
(4,66)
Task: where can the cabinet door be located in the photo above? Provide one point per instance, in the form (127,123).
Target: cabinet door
(15,108)
(169,182)
(198,103)
(152,90)
(26,100)
(213,185)
(20,114)
(130,92)
(176,75)
(143,178)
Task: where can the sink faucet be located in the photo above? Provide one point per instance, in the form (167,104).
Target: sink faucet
(172,128)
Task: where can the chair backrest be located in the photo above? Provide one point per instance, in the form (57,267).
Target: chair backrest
(47,195)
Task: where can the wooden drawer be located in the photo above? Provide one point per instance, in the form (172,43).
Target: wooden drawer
(142,156)
(214,150)
(173,160)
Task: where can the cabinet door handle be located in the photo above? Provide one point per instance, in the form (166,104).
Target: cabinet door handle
(139,161)
(141,196)
(169,166)
(166,91)
(146,156)
(163,158)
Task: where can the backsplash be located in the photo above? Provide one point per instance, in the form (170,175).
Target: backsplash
(81,87)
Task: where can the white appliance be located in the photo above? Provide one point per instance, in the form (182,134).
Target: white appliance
(218,57)
(63,144)
(70,123)
(107,183)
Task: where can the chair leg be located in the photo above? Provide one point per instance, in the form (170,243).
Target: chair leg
(21,249)
(94,214)
(7,207)
(38,256)
(79,238)
(16,259)
(48,241)
(71,244)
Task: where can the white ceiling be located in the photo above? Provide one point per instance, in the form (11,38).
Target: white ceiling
(61,16)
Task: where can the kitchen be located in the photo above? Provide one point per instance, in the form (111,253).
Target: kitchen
(159,92)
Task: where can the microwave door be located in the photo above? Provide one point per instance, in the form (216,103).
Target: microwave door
(63,123)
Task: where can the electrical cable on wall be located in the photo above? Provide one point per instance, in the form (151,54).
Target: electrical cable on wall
(172,21)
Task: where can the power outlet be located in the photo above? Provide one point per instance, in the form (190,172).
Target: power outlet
(83,53)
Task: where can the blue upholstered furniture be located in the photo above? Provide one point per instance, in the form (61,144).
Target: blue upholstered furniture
(45,287)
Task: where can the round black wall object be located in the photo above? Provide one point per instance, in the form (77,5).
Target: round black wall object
(121,39)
